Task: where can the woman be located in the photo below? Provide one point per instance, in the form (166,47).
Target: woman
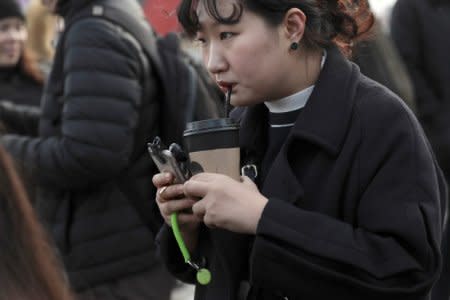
(28,267)
(21,81)
(347,203)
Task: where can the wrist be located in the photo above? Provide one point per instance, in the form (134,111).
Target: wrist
(258,214)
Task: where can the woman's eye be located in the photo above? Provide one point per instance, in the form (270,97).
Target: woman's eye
(4,28)
(200,41)
(226,35)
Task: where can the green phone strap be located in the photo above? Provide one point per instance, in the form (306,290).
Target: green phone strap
(203,275)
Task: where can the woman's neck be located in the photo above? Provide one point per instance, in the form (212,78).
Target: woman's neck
(311,65)
(307,69)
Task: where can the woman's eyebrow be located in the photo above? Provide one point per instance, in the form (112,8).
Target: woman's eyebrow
(205,21)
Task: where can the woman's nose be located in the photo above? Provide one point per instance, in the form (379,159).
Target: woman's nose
(216,62)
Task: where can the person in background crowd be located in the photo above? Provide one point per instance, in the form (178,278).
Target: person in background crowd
(83,158)
(29,269)
(379,60)
(21,80)
(420,29)
(42,28)
(348,201)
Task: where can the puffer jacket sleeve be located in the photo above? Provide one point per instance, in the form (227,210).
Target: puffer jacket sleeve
(101,100)
(19,119)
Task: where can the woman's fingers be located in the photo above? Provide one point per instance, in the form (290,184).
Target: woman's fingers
(185,218)
(206,177)
(170,207)
(169,192)
(183,209)
(162,179)
(199,209)
(196,189)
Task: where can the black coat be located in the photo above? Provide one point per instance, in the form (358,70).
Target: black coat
(354,208)
(421,31)
(83,157)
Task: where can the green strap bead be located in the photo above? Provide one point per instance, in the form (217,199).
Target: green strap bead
(203,276)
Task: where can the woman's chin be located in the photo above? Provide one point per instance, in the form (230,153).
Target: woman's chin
(237,100)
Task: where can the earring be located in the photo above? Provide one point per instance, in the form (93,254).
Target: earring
(294,46)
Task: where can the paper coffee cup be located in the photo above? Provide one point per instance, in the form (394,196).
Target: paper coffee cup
(213,145)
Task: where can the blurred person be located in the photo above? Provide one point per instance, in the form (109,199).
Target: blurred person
(84,161)
(378,59)
(42,28)
(29,268)
(420,29)
(348,199)
(21,80)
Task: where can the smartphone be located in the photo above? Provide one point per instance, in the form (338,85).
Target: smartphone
(172,160)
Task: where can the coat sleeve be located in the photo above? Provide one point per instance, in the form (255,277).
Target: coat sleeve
(391,251)
(101,100)
(405,31)
(19,119)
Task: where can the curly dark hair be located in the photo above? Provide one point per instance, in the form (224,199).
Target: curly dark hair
(342,22)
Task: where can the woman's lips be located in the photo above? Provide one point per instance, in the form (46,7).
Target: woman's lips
(225,86)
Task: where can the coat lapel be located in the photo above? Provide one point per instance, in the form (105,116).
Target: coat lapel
(323,122)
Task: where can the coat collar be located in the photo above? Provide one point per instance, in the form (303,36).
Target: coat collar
(326,117)
(324,120)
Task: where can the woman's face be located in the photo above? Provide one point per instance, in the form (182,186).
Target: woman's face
(13,35)
(250,56)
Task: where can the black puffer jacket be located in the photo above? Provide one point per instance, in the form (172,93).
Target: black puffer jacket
(19,88)
(83,158)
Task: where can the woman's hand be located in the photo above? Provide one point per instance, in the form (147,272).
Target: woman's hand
(170,198)
(226,203)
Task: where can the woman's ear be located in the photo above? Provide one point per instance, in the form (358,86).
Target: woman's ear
(294,25)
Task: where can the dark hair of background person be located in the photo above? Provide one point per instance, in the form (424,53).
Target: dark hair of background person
(342,22)
(28,268)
